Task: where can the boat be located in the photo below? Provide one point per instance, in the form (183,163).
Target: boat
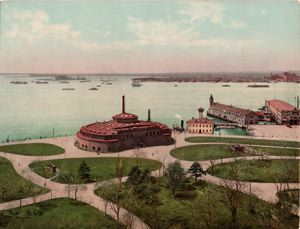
(84,81)
(226,85)
(109,83)
(258,85)
(68,89)
(18,82)
(41,82)
(136,83)
(93,89)
(64,82)
(98,85)
(175,85)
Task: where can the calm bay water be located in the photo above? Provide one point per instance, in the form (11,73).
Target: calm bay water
(33,110)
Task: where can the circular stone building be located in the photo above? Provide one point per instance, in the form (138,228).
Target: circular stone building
(124,131)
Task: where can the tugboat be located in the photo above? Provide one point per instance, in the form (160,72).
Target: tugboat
(226,85)
(136,83)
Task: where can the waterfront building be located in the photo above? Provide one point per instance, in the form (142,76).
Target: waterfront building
(124,131)
(200,125)
(231,113)
(283,112)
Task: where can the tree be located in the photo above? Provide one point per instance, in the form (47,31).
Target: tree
(196,170)
(134,175)
(175,176)
(119,170)
(84,172)
(143,184)
(233,194)
(3,189)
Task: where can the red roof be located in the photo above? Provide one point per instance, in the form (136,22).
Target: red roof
(280,105)
(125,116)
(114,127)
(200,121)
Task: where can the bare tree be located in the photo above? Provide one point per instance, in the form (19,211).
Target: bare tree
(119,171)
(128,220)
(212,163)
(233,194)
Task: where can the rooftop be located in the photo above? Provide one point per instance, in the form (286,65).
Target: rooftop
(200,121)
(281,105)
(114,127)
(231,108)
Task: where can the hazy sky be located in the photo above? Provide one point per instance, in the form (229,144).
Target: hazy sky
(149,36)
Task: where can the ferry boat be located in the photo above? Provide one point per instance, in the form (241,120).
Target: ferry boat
(84,81)
(109,83)
(64,82)
(136,83)
(18,82)
(258,85)
(226,85)
(93,89)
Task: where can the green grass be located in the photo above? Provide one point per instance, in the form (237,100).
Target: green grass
(101,168)
(244,141)
(13,186)
(277,151)
(257,170)
(213,152)
(291,196)
(33,149)
(202,152)
(59,213)
(174,212)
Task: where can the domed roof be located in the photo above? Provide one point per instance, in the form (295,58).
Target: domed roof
(125,116)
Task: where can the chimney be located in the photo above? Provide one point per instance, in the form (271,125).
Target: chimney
(149,116)
(123,104)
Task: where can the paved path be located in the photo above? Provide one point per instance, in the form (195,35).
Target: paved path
(265,191)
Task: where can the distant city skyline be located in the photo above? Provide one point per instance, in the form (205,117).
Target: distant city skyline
(149,36)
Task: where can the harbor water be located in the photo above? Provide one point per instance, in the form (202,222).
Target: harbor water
(40,110)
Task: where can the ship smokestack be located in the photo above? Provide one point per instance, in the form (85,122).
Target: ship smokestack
(149,115)
(297,102)
(123,104)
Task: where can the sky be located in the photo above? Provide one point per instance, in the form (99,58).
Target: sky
(73,36)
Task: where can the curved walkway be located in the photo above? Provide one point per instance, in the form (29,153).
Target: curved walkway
(265,191)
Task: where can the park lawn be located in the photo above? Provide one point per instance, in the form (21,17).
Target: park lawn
(257,170)
(175,212)
(203,152)
(243,141)
(61,213)
(277,151)
(33,149)
(291,196)
(13,186)
(101,168)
